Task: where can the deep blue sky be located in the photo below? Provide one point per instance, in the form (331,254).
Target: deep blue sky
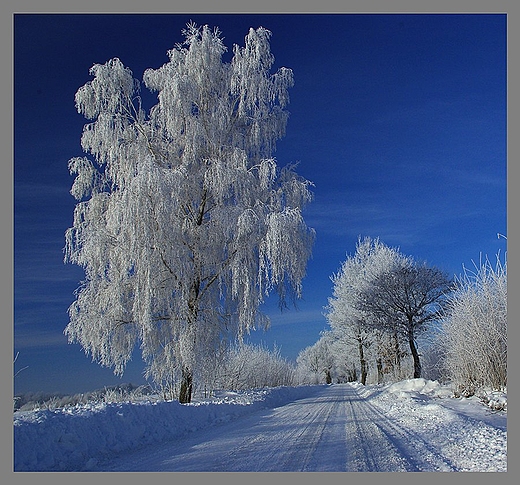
(399,120)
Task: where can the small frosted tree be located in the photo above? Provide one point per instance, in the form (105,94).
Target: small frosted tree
(255,366)
(315,363)
(184,221)
(350,323)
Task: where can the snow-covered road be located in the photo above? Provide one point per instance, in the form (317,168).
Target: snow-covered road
(341,427)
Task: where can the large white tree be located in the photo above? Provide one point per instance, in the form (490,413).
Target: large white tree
(184,221)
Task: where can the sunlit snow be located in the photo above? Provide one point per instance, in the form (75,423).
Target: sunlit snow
(461,434)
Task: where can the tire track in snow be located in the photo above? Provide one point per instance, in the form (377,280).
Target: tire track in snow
(295,437)
(336,429)
(369,449)
(323,439)
(302,435)
(376,443)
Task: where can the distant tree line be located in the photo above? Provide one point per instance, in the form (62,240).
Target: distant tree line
(31,401)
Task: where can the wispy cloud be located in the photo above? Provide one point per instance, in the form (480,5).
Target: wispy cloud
(34,340)
(26,190)
(295,317)
(339,220)
(416,206)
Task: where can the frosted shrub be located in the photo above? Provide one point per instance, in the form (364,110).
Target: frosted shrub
(475,330)
(252,367)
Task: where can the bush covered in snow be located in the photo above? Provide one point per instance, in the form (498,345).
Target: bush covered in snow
(475,330)
(244,366)
(34,401)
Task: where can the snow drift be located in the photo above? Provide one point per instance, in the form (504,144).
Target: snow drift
(77,438)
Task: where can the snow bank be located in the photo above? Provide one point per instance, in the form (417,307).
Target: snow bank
(466,430)
(77,438)
(416,388)
(496,400)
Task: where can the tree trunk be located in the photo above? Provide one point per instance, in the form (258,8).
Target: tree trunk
(416,361)
(397,351)
(352,374)
(187,372)
(379,363)
(362,363)
(328,377)
(186,386)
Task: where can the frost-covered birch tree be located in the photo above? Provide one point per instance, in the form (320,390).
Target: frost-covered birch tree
(184,221)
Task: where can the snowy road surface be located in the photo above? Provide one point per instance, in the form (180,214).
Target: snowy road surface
(340,428)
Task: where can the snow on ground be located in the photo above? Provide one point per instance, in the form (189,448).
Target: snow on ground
(473,436)
(76,438)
